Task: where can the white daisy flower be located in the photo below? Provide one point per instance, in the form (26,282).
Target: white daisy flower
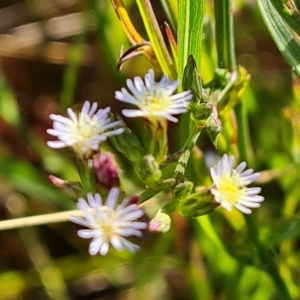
(154,99)
(108,224)
(83,132)
(230,185)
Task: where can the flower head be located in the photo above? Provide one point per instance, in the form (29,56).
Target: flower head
(83,132)
(160,223)
(108,224)
(230,185)
(106,170)
(154,99)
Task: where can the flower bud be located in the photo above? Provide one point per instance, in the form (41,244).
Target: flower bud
(72,189)
(182,190)
(213,126)
(160,223)
(197,204)
(106,170)
(200,113)
(149,170)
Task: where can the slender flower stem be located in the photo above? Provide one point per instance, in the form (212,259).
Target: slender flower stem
(39,220)
(225,34)
(244,142)
(163,186)
(184,158)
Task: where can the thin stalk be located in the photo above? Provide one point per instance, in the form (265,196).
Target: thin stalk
(184,158)
(156,38)
(163,186)
(244,142)
(39,220)
(225,34)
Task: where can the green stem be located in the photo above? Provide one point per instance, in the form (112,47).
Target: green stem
(156,38)
(184,158)
(163,186)
(244,142)
(225,34)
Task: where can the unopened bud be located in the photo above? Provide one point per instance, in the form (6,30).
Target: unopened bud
(106,170)
(182,190)
(160,223)
(200,113)
(149,170)
(72,189)
(213,126)
(197,204)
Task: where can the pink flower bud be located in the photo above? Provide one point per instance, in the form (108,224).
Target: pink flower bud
(106,171)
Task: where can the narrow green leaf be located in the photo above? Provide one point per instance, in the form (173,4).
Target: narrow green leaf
(281,34)
(225,34)
(289,14)
(190,25)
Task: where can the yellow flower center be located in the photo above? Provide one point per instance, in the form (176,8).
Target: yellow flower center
(159,101)
(82,131)
(230,189)
(107,223)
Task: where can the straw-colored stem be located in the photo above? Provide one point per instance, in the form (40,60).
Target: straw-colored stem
(39,220)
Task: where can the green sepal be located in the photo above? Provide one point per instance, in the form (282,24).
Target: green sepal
(149,171)
(200,113)
(182,190)
(197,204)
(213,126)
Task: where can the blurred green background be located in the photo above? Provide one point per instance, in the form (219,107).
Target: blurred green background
(57,54)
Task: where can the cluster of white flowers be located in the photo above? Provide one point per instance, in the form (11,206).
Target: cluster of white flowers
(230,185)
(86,131)
(109,223)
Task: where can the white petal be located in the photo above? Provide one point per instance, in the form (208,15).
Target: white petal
(86,233)
(243,209)
(117,243)
(104,248)
(95,246)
